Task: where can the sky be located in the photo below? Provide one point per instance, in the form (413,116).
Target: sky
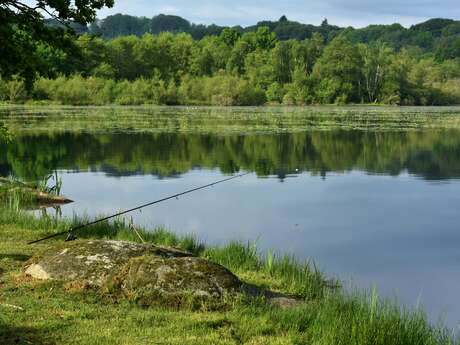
(357,13)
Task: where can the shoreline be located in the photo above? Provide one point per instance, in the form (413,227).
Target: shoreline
(328,313)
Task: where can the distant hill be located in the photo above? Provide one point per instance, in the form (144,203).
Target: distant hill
(434,35)
(122,24)
(78,28)
(438,36)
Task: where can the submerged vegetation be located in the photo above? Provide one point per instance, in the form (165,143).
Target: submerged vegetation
(329,315)
(166,141)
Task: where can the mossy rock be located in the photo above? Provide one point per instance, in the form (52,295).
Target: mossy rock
(146,273)
(173,281)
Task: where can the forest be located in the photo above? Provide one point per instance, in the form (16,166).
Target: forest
(166,60)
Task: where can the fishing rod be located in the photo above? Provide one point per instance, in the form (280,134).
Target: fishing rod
(70,232)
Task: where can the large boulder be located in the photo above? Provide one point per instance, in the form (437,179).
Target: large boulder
(148,273)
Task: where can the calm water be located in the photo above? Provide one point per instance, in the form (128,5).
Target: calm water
(373,208)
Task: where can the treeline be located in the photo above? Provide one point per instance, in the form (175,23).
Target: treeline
(437,36)
(252,68)
(123,25)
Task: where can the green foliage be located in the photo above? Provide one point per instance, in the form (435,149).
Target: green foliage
(247,68)
(5,136)
(376,58)
(302,89)
(15,90)
(220,90)
(23,29)
(435,36)
(229,36)
(140,91)
(275,93)
(97,91)
(339,72)
(122,25)
(282,62)
(259,69)
(331,317)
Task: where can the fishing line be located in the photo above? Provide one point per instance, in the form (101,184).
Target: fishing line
(71,231)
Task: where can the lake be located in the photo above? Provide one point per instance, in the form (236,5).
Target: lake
(370,194)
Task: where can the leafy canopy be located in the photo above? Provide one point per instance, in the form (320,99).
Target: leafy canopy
(5,136)
(23,30)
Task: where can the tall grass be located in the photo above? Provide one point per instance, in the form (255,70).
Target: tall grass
(14,194)
(329,316)
(358,319)
(299,278)
(118,229)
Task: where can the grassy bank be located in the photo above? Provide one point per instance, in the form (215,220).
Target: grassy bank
(46,313)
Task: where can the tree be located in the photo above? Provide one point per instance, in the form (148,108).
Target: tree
(242,48)
(376,59)
(302,88)
(339,72)
(169,23)
(397,88)
(448,48)
(229,36)
(122,55)
(4,134)
(305,53)
(94,52)
(22,28)
(121,25)
(258,68)
(282,61)
(218,50)
(264,39)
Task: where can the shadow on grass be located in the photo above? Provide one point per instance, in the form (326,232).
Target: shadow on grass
(15,257)
(22,336)
(279,299)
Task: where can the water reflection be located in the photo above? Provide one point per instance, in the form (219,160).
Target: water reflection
(432,155)
(397,233)
(375,207)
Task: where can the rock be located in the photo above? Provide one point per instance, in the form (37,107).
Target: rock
(147,273)
(174,281)
(48,200)
(278,299)
(284,301)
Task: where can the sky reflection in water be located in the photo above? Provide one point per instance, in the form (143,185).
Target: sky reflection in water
(369,208)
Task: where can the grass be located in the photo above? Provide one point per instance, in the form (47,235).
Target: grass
(16,193)
(46,313)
